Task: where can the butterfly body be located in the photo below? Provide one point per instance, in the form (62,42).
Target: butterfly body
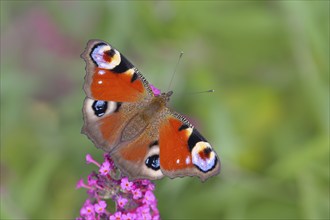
(124,117)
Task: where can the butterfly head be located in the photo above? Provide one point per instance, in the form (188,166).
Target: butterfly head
(166,95)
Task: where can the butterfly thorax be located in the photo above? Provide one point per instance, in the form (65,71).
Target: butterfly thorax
(145,116)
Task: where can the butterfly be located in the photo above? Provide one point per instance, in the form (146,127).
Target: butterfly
(124,117)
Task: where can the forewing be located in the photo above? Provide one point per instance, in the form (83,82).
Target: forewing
(110,76)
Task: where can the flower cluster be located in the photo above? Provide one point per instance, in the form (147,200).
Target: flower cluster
(132,199)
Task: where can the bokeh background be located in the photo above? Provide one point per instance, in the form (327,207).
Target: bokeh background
(268,118)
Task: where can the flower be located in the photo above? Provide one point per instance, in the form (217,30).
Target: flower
(81,184)
(134,199)
(89,159)
(100,207)
(105,168)
(125,184)
(87,210)
(121,202)
(137,194)
(155,90)
(149,198)
(116,216)
(129,216)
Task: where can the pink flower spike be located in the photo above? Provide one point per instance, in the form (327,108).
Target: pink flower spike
(155,90)
(116,216)
(121,202)
(89,159)
(126,184)
(105,168)
(100,207)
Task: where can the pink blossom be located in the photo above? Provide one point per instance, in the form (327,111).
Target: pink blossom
(125,184)
(100,207)
(87,209)
(156,217)
(81,184)
(116,216)
(145,182)
(134,199)
(121,202)
(105,168)
(143,212)
(155,90)
(91,180)
(151,187)
(128,216)
(137,194)
(149,198)
(89,159)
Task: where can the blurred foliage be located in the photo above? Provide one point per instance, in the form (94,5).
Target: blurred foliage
(268,62)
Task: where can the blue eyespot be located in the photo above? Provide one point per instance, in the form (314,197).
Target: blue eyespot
(153,162)
(99,107)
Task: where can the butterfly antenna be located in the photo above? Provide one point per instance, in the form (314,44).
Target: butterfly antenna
(176,67)
(206,91)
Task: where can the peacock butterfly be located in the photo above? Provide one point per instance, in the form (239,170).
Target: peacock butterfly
(124,117)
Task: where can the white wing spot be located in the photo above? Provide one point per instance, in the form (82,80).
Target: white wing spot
(101,72)
(188,160)
(178,161)
(100,82)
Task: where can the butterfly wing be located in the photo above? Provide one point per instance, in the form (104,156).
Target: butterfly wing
(139,159)
(103,122)
(184,151)
(116,94)
(113,87)
(110,76)
(131,141)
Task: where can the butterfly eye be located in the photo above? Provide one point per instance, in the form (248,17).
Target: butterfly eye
(99,107)
(153,162)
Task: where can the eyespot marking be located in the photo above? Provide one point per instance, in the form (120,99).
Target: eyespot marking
(123,65)
(99,107)
(95,109)
(203,157)
(104,56)
(152,162)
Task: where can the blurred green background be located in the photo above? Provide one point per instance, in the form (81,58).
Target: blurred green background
(268,119)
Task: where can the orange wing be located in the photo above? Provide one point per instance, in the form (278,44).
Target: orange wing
(184,151)
(110,76)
